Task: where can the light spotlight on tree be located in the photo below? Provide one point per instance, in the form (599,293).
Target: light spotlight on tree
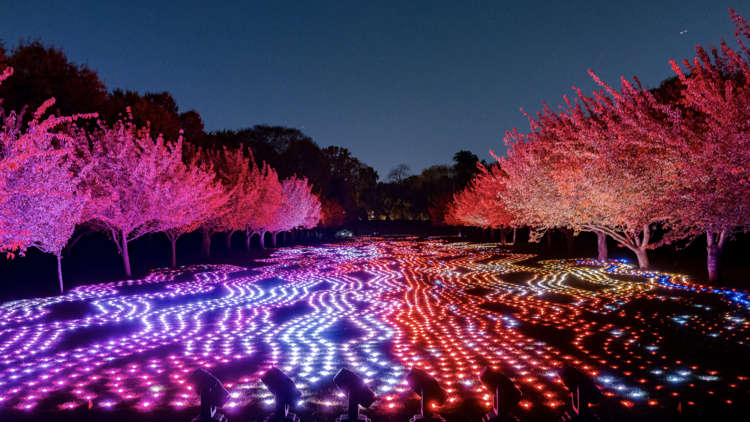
(357,392)
(212,394)
(506,395)
(431,393)
(583,391)
(287,394)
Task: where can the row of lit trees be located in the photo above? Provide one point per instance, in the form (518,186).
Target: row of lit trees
(634,162)
(55,176)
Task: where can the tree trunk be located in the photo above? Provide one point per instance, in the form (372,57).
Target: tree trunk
(174,251)
(69,247)
(125,255)
(59,273)
(514,235)
(549,239)
(505,233)
(248,237)
(283,238)
(569,238)
(273,239)
(601,239)
(206,245)
(716,242)
(636,241)
(492,234)
(228,242)
(642,256)
(293,235)
(262,236)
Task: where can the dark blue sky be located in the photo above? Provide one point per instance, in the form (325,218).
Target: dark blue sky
(395,82)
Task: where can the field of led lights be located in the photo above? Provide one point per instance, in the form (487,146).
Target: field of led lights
(660,347)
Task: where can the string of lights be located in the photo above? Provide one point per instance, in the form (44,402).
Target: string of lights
(378,308)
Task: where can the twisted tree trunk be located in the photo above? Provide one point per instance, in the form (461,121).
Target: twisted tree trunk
(248,236)
(549,240)
(69,246)
(569,238)
(636,241)
(716,242)
(506,232)
(228,242)
(206,242)
(262,237)
(514,235)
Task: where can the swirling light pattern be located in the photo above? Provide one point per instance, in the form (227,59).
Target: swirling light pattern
(378,307)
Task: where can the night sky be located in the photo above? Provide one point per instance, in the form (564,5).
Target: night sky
(394,82)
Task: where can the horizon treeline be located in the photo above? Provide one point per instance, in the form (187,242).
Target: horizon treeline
(44,71)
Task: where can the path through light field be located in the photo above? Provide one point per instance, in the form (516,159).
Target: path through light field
(651,341)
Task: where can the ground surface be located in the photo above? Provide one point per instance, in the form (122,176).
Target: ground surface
(659,347)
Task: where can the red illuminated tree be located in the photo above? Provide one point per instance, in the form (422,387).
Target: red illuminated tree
(711,128)
(331,213)
(480,205)
(684,148)
(595,166)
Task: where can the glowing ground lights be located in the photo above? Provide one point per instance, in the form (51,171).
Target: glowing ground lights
(378,308)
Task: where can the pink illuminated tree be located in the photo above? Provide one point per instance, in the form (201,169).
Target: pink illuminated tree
(232,169)
(313,209)
(41,198)
(299,208)
(194,196)
(237,172)
(132,182)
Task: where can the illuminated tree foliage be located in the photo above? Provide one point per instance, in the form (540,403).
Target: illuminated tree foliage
(332,214)
(631,163)
(479,204)
(133,182)
(583,169)
(194,197)
(41,198)
(233,169)
(711,129)
(299,208)
(267,202)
